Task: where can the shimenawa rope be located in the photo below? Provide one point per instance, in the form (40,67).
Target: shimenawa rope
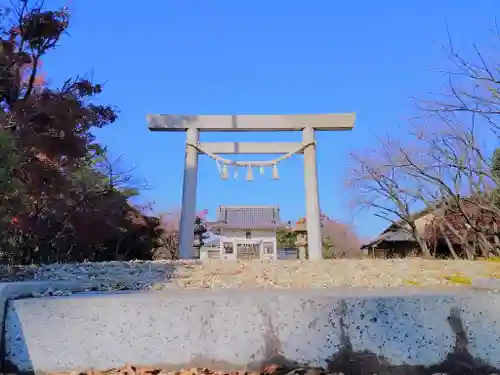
(268,163)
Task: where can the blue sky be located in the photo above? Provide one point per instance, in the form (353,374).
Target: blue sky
(223,56)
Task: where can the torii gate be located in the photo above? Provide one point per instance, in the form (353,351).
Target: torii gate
(193,124)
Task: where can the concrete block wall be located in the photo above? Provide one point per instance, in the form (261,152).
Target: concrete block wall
(236,329)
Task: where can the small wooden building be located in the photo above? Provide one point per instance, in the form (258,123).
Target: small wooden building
(397,241)
(391,244)
(247,232)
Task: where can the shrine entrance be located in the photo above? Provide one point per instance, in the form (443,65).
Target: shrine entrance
(192,125)
(248,250)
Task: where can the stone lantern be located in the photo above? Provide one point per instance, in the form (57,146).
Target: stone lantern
(301,231)
(199,231)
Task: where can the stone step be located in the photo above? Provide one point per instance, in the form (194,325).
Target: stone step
(235,329)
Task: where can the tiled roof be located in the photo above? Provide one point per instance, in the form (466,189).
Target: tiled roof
(248,217)
(391,236)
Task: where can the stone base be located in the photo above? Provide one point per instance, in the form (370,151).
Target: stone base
(238,329)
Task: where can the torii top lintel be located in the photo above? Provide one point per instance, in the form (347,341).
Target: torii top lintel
(221,123)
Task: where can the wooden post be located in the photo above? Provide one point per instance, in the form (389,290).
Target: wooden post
(313,213)
(188,213)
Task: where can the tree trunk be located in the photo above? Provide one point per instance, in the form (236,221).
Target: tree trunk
(496,239)
(448,242)
(468,251)
(422,244)
(486,246)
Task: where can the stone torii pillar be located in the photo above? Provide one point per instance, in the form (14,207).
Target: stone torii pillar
(193,124)
(313,211)
(189,187)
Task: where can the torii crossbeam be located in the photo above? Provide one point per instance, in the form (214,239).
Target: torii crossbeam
(307,123)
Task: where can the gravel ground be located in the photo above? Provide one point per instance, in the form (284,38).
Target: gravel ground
(263,274)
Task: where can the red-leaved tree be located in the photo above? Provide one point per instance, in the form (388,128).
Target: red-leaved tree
(340,240)
(61,200)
